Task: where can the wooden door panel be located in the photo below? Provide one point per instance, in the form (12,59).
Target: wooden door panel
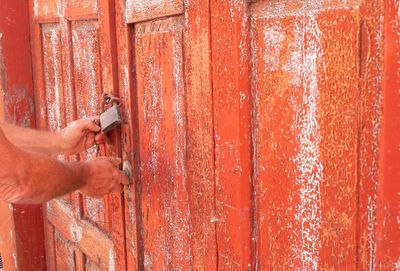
(160,84)
(143,10)
(44,9)
(97,246)
(230,26)
(53,92)
(75,9)
(53,74)
(64,254)
(305,134)
(74,64)
(165,78)
(87,68)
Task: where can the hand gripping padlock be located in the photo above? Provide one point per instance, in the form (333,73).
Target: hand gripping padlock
(110,118)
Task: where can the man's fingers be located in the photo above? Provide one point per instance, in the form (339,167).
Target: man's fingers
(100,138)
(91,124)
(115,160)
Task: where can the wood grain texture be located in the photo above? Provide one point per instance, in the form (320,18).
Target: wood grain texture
(200,135)
(230,25)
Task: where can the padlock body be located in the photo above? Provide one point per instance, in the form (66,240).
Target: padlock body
(110,119)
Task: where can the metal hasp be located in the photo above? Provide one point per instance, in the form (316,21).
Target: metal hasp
(127,169)
(110,118)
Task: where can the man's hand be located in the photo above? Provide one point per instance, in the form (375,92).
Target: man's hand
(80,135)
(103,177)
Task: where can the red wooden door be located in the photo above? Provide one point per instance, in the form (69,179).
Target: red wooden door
(74,63)
(165,71)
(258,133)
(253,129)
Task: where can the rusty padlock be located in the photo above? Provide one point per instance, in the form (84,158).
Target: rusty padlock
(110,118)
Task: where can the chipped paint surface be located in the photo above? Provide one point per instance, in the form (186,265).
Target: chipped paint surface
(253,127)
(76,232)
(53,76)
(308,159)
(291,133)
(73,65)
(162,128)
(388,199)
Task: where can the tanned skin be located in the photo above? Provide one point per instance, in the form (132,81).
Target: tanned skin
(29,174)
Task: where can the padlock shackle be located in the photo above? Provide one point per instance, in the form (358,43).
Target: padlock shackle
(108,98)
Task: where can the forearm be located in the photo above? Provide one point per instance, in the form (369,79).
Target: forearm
(39,178)
(44,142)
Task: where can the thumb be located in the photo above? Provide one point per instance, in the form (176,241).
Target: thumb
(115,160)
(124,178)
(91,124)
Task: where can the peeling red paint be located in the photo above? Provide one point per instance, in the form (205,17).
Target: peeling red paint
(262,133)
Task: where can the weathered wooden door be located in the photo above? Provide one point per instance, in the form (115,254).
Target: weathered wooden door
(74,63)
(253,129)
(165,71)
(257,124)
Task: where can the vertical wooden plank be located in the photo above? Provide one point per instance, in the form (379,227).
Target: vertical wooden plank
(53,74)
(23,245)
(276,43)
(80,260)
(338,120)
(53,92)
(388,229)
(64,254)
(87,76)
(69,93)
(49,235)
(200,140)
(162,130)
(114,207)
(231,90)
(305,138)
(130,136)
(370,104)
(8,246)
(38,69)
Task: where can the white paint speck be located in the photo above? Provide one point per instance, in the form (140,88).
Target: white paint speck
(273,38)
(76,232)
(35,8)
(371,207)
(111,260)
(15,261)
